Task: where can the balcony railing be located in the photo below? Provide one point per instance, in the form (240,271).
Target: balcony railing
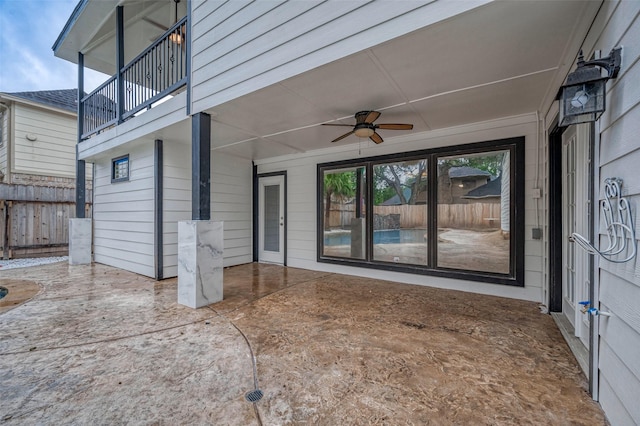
(100,108)
(157,72)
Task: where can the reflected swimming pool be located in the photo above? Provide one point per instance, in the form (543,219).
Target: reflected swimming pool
(384,236)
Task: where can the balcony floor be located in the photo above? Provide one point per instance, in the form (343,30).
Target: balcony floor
(98,345)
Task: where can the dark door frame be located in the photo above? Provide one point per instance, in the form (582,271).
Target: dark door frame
(555,219)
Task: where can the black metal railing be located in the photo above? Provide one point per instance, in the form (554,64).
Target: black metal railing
(100,108)
(155,73)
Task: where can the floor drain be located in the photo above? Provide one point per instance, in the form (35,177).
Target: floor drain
(254,395)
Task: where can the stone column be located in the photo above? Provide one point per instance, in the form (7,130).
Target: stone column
(79,241)
(200,250)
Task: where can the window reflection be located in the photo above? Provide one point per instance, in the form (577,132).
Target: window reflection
(474,212)
(344,213)
(447,211)
(400,212)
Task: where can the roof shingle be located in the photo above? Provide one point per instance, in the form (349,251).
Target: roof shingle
(65,99)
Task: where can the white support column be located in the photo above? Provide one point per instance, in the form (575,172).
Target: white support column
(80,241)
(200,250)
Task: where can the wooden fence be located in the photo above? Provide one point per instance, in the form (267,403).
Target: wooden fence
(459,216)
(34,221)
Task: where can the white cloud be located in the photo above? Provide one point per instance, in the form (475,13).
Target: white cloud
(29,29)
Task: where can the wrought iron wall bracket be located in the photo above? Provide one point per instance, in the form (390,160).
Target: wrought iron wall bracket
(616,213)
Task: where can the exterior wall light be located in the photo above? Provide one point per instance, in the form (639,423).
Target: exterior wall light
(583,96)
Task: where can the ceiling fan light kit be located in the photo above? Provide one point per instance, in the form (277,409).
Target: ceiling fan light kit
(363,131)
(364,127)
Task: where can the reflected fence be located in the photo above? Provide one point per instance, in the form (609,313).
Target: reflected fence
(459,216)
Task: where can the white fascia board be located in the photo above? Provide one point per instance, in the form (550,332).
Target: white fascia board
(157,118)
(85,21)
(17,100)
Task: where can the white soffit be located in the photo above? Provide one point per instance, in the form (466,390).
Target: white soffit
(494,61)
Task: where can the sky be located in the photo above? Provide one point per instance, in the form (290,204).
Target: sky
(29,28)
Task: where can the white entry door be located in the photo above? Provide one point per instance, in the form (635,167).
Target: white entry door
(576,166)
(271,219)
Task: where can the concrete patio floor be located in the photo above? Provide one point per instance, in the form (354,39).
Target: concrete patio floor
(98,345)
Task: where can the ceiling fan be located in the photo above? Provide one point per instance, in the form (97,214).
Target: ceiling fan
(364,127)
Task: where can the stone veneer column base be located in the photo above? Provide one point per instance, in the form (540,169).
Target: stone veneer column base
(80,241)
(200,250)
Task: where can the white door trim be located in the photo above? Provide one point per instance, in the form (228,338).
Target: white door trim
(270,255)
(576,211)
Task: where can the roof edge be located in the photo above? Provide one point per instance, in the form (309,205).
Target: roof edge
(35,103)
(70,22)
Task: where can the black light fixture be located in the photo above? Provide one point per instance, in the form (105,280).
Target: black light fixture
(583,96)
(176,36)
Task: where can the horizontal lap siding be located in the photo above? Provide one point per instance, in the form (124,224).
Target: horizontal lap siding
(302,205)
(176,202)
(53,153)
(230,202)
(124,213)
(619,157)
(240,47)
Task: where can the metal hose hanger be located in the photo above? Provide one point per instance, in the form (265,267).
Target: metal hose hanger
(616,212)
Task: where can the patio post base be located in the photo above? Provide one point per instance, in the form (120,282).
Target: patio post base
(200,250)
(80,241)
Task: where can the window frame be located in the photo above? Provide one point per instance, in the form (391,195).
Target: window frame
(516,276)
(114,162)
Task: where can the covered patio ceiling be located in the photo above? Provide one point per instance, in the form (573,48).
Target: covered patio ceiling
(500,60)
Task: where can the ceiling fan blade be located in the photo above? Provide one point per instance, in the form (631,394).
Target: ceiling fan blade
(376,138)
(336,124)
(395,126)
(344,136)
(154,23)
(372,116)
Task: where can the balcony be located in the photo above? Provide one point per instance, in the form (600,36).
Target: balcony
(155,74)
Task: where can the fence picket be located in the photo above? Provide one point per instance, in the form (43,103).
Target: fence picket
(458,216)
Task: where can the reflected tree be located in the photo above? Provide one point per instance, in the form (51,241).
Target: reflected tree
(491,164)
(393,179)
(338,185)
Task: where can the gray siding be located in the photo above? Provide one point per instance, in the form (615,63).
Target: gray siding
(274,40)
(618,24)
(302,209)
(177,200)
(230,203)
(124,213)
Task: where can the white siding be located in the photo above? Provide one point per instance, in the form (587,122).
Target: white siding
(4,139)
(231,202)
(123,213)
(231,185)
(176,207)
(301,202)
(171,112)
(618,24)
(53,153)
(274,40)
